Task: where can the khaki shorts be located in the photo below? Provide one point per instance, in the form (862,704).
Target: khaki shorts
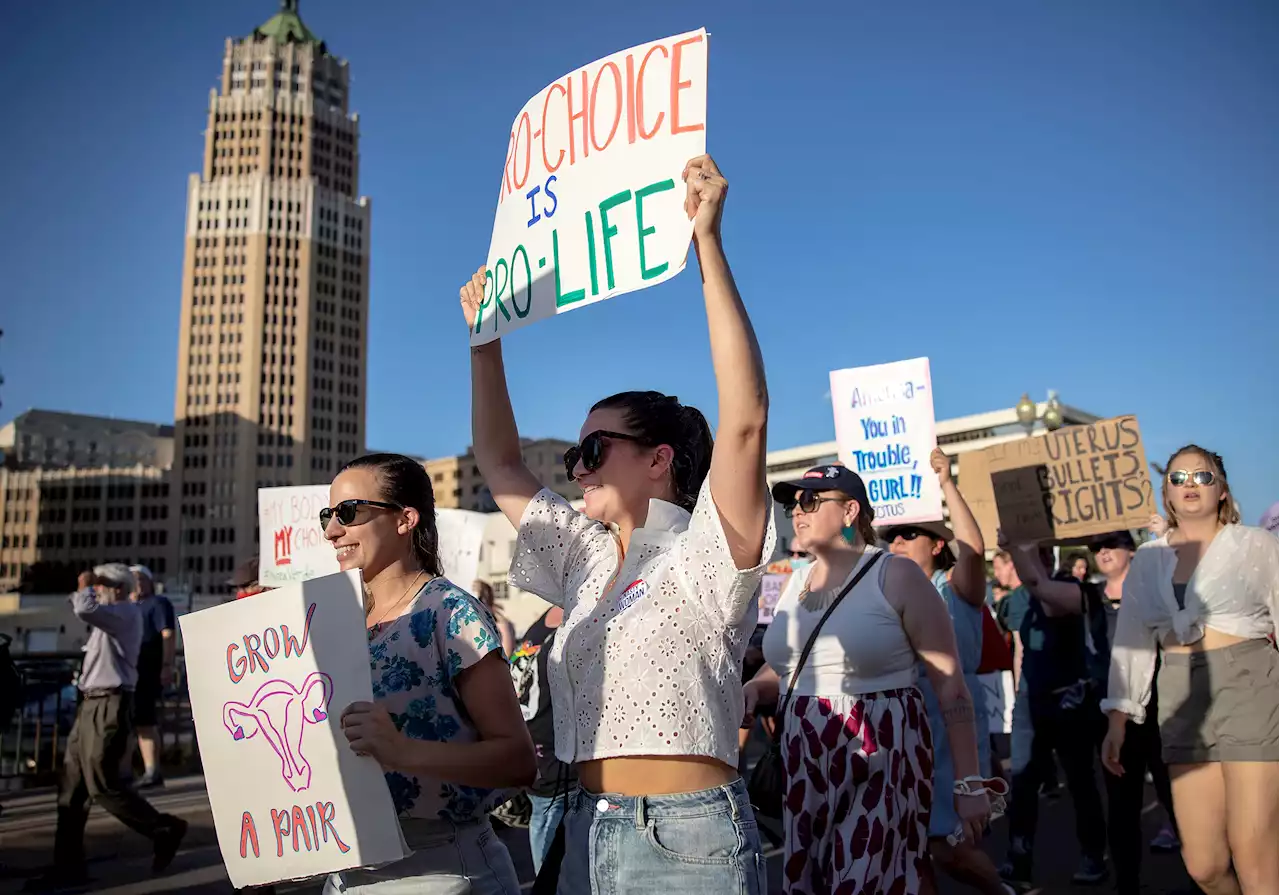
(1219,705)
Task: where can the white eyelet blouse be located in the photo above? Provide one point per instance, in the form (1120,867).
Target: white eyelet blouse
(648,659)
(1233,589)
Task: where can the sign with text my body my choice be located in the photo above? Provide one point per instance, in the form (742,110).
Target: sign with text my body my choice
(591,204)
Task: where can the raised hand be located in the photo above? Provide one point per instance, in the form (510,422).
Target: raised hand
(941,464)
(705,190)
(470,297)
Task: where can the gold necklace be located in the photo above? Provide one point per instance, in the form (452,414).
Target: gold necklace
(397,602)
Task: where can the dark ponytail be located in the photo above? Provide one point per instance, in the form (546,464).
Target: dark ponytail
(657,419)
(404,480)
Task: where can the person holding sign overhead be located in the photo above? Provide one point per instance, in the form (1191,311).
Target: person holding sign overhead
(961,580)
(658,579)
(444,724)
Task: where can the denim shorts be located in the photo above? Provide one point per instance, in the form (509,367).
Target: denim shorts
(705,842)
(448,859)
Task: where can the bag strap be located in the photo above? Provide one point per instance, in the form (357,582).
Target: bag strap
(813,638)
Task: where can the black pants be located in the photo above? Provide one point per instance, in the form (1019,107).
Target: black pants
(1073,734)
(91,770)
(1125,795)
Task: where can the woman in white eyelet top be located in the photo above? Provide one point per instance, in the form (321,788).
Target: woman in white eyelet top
(658,576)
(1204,598)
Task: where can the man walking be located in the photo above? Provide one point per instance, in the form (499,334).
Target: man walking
(155,670)
(100,734)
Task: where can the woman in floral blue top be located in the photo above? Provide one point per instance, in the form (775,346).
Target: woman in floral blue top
(445,724)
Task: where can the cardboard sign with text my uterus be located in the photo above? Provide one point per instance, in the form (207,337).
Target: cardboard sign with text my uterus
(591,204)
(268,680)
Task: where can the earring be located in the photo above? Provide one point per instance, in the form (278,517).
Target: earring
(849,533)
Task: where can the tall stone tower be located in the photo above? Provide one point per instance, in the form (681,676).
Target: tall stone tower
(275,294)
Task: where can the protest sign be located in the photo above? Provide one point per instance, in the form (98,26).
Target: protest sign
(591,204)
(293,547)
(885,431)
(1066,485)
(268,681)
(291,544)
(771,585)
(997,690)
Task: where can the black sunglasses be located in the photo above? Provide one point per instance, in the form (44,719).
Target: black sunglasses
(591,451)
(907,534)
(808,502)
(347,510)
(1204,477)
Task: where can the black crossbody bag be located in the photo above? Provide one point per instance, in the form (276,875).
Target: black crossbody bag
(768,785)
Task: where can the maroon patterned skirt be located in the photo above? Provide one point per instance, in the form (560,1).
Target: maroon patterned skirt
(859,788)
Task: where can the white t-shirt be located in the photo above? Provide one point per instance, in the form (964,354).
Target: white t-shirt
(648,659)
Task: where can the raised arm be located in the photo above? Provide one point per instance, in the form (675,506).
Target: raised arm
(737,462)
(969,577)
(1057,597)
(494,437)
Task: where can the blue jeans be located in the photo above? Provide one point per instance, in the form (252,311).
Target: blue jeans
(547,812)
(448,859)
(705,842)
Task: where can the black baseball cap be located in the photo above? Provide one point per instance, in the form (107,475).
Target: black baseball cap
(1116,540)
(826,478)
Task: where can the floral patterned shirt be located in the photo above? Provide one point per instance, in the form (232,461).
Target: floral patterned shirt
(415,661)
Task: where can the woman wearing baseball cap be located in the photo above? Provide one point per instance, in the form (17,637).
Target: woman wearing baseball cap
(852,709)
(960,577)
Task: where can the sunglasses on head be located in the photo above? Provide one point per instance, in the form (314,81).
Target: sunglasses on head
(591,451)
(347,510)
(808,502)
(1181,477)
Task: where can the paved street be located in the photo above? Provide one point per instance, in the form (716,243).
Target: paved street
(121,859)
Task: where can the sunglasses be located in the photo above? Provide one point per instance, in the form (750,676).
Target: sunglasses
(907,534)
(591,451)
(808,502)
(347,511)
(1181,477)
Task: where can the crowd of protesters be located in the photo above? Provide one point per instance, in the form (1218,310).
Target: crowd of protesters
(625,724)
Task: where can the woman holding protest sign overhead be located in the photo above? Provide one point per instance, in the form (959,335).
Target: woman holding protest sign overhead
(658,578)
(444,724)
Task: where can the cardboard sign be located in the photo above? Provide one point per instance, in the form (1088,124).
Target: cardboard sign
(292,546)
(269,678)
(591,204)
(771,585)
(1067,485)
(886,430)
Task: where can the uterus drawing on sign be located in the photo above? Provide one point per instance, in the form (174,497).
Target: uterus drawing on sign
(282,713)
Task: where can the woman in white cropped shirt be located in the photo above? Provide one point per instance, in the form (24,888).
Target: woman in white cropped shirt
(1204,595)
(658,580)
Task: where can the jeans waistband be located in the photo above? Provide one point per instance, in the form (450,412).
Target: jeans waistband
(1224,654)
(428,832)
(731,798)
(103,692)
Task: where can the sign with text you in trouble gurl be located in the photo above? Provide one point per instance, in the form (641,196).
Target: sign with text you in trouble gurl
(590,201)
(269,678)
(885,430)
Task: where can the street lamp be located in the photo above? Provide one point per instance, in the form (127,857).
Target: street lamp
(1027,412)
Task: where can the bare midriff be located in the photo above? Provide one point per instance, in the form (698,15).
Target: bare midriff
(1212,639)
(654,775)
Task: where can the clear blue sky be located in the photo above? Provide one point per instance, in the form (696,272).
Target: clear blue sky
(1072,195)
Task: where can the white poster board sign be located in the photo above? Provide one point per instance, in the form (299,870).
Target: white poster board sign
(771,585)
(269,677)
(997,688)
(886,430)
(591,201)
(292,546)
